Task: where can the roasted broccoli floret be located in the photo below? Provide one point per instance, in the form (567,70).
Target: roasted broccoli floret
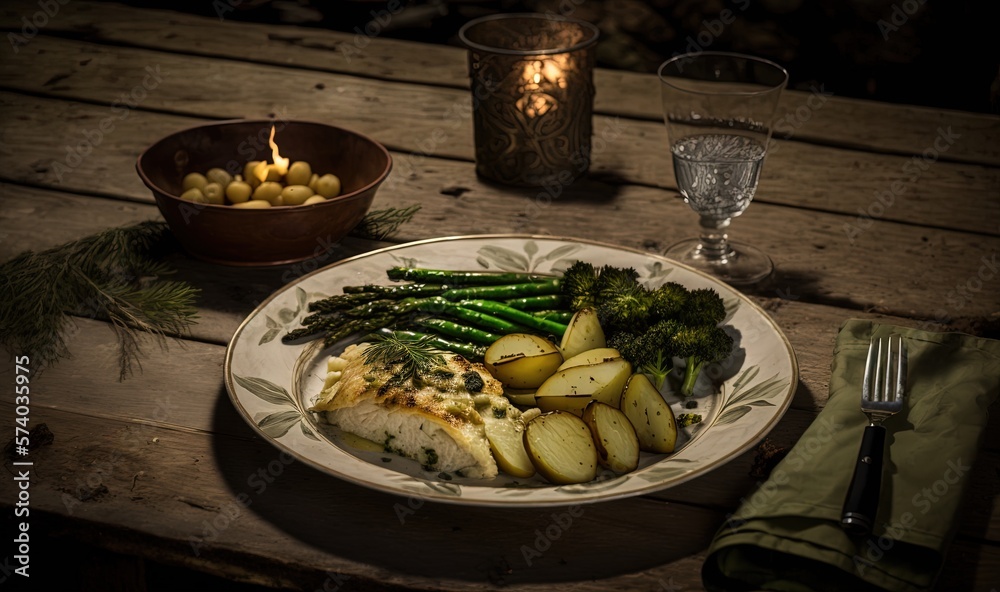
(703,307)
(612,279)
(579,285)
(623,303)
(668,300)
(699,345)
(687,419)
(651,351)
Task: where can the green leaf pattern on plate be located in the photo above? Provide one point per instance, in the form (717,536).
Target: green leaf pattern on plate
(502,258)
(276,424)
(419,486)
(743,400)
(288,316)
(674,467)
(607,484)
(656,271)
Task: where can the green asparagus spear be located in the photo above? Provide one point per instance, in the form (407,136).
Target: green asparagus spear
(351,298)
(333,329)
(539,288)
(546,301)
(419,274)
(559,316)
(518,316)
(357,295)
(463,332)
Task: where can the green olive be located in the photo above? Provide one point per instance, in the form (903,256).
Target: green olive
(249,175)
(214,193)
(299,173)
(194,180)
(194,194)
(295,195)
(253,204)
(328,186)
(238,191)
(314,200)
(269,191)
(312,181)
(220,176)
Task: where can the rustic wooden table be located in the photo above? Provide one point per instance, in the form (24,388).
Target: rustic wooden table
(869,210)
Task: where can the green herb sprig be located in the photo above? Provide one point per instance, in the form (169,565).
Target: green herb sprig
(114,275)
(381,224)
(412,354)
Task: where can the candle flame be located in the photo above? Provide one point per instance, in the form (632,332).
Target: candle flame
(540,77)
(280,163)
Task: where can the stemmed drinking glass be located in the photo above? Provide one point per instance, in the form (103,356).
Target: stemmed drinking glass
(718,108)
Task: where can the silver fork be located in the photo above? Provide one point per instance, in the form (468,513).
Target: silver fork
(882,395)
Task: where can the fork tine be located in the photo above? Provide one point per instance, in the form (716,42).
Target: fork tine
(870,371)
(890,367)
(880,378)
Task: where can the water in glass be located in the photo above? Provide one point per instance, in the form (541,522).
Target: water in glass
(717,173)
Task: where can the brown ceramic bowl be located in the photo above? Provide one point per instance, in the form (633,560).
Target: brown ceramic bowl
(272,236)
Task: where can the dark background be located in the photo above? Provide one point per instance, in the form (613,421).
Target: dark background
(924,52)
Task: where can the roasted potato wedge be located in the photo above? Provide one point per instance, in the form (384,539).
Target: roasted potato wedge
(603,381)
(650,415)
(507,443)
(591,356)
(561,448)
(584,332)
(614,437)
(522,360)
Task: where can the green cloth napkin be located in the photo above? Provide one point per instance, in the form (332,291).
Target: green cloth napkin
(786,535)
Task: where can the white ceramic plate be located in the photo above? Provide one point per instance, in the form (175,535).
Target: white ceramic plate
(271,383)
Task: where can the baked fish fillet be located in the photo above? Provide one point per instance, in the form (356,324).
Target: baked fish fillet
(435,420)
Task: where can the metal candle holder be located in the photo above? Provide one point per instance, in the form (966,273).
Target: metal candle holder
(533,96)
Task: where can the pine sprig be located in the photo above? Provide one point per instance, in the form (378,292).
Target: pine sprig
(381,224)
(113,275)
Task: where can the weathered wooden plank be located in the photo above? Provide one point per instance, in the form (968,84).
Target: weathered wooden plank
(842,260)
(813,116)
(423,121)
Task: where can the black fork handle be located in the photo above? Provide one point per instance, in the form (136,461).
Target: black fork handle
(861,504)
